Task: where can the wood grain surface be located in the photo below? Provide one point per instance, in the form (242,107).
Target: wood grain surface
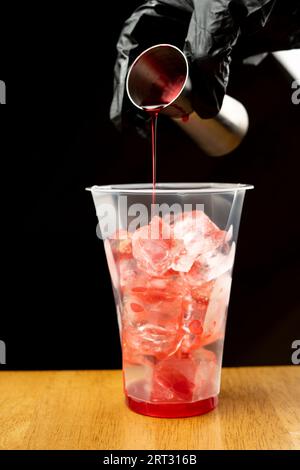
(259,409)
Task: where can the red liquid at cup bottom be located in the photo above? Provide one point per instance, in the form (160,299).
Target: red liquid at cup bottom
(172,410)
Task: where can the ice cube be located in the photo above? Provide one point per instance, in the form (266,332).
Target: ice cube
(215,263)
(138,380)
(128,273)
(215,318)
(195,306)
(151,340)
(152,315)
(121,244)
(210,265)
(154,247)
(174,380)
(206,375)
(199,235)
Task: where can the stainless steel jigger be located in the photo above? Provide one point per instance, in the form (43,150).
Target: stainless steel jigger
(159,79)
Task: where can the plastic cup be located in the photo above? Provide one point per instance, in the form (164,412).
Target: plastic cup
(171,269)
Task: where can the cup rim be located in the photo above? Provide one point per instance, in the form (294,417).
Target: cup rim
(170,188)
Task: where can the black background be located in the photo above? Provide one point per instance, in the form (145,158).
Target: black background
(57,302)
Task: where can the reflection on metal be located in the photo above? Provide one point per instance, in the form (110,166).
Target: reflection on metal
(290,60)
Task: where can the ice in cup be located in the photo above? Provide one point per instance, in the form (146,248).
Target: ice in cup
(171,279)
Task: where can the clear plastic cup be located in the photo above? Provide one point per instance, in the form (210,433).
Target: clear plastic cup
(171,269)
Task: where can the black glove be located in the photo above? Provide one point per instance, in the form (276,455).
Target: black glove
(207,31)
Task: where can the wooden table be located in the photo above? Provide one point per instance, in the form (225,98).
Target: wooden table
(259,409)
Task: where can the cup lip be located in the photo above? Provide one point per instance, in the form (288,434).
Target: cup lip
(170,188)
(138,58)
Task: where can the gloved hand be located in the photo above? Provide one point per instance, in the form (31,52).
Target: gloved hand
(208,31)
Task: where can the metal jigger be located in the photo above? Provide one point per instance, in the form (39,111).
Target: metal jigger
(158,79)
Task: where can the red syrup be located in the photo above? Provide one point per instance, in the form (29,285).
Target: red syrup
(172,410)
(153,140)
(153,111)
(184,116)
(163,92)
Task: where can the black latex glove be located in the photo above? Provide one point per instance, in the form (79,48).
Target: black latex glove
(207,31)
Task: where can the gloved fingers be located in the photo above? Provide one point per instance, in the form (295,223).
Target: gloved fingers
(281,32)
(213,32)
